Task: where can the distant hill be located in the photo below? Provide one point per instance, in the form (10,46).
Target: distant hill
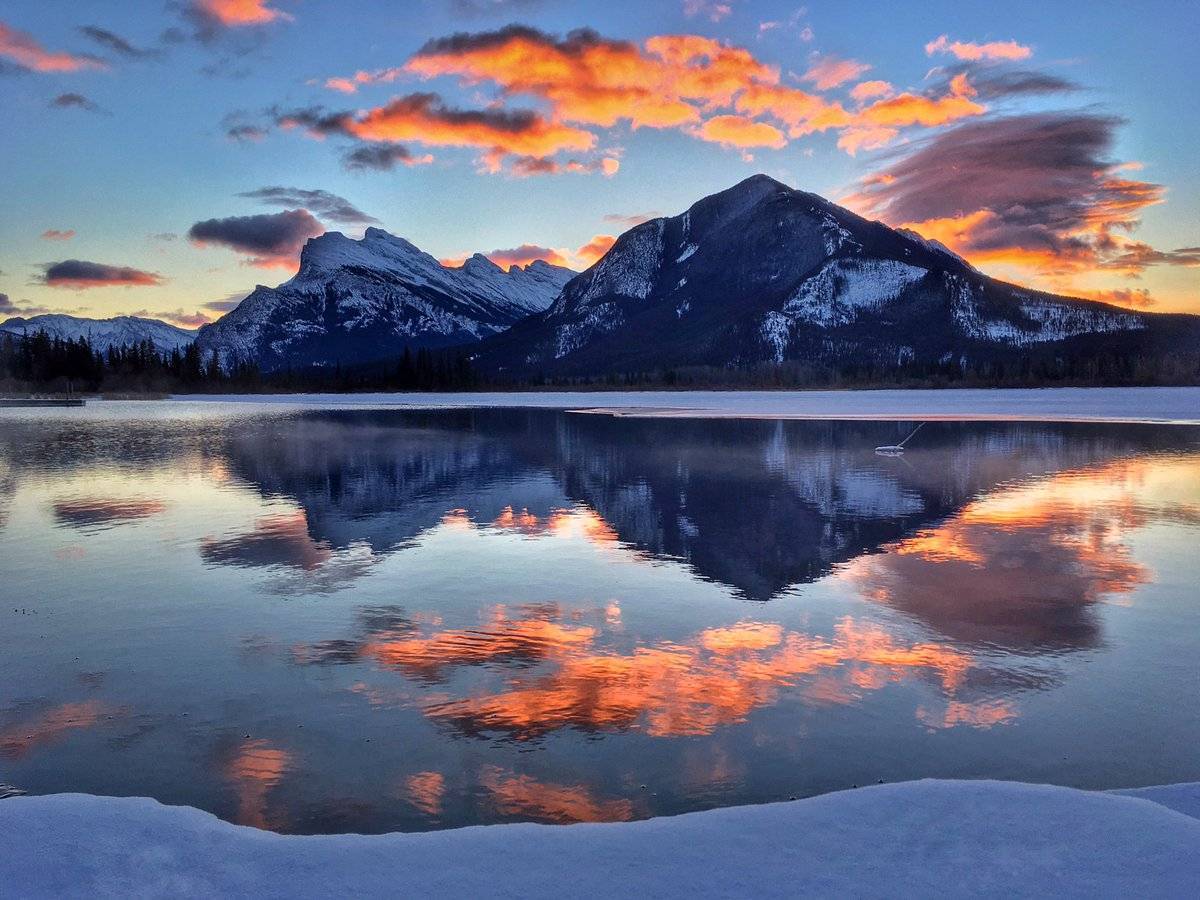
(103,333)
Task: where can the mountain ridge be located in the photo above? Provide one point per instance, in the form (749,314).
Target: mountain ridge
(355,301)
(102,334)
(761,273)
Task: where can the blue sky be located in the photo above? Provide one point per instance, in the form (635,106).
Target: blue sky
(125,147)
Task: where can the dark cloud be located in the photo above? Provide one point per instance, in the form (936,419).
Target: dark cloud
(313,119)
(381,157)
(271,239)
(575,42)
(528,166)
(243,133)
(226,303)
(211,22)
(24,308)
(422,106)
(167,236)
(80,274)
(993,82)
(1136,255)
(1042,183)
(323,203)
(89,513)
(114,43)
(74,101)
(7,68)
(479,8)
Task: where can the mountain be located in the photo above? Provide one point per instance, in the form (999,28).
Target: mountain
(103,333)
(762,273)
(358,301)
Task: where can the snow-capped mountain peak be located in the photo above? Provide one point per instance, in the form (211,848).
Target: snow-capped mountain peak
(360,300)
(762,273)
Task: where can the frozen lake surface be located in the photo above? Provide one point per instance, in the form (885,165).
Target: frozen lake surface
(1181,405)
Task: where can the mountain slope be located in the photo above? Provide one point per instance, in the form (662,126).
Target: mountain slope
(762,273)
(102,333)
(358,301)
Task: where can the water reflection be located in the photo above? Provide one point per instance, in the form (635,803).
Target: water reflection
(1025,566)
(99,512)
(26,735)
(515,614)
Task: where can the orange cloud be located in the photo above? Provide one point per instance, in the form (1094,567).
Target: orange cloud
(18,740)
(424,119)
(830,71)
(915,109)
(741,132)
(1130,298)
(592,80)
(239,13)
(54,234)
(1009,50)
(26,52)
(801,112)
(696,687)
(524,796)
(591,252)
(255,769)
(425,790)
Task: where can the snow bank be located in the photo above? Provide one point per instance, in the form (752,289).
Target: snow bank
(1162,405)
(928,838)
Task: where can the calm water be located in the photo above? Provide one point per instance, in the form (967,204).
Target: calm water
(369,621)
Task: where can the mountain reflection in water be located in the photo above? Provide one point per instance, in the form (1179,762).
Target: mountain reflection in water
(369,620)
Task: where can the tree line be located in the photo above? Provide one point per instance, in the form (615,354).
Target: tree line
(40,363)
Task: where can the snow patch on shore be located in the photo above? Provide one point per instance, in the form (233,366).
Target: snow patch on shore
(926,838)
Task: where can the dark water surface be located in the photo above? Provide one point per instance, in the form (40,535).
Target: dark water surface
(377,620)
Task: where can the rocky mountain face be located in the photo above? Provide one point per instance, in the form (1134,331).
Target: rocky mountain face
(357,301)
(102,333)
(762,273)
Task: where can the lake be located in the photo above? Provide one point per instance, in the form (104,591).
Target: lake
(327,620)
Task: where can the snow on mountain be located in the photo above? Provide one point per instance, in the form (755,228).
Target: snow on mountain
(103,333)
(357,301)
(764,273)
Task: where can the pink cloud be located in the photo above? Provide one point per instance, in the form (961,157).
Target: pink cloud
(22,49)
(968,50)
(830,71)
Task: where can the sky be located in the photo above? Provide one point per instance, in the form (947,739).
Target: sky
(163,158)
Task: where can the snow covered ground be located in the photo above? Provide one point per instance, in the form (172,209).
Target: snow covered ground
(926,838)
(1180,405)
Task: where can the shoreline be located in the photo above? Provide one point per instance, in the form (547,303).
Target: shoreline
(1156,406)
